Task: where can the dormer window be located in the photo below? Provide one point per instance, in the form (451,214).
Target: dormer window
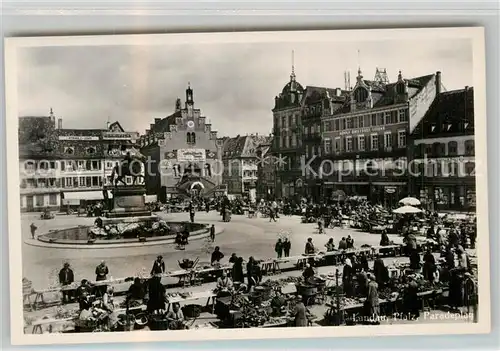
(69,150)
(360,94)
(433,128)
(90,150)
(400,88)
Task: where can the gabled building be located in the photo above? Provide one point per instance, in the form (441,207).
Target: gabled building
(365,140)
(240,160)
(184,153)
(443,157)
(266,171)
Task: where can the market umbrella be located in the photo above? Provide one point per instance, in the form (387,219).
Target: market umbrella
(410,201)
(338,195)
(407,209)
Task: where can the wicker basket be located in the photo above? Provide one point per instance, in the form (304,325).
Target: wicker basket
(192,311)
(158,323)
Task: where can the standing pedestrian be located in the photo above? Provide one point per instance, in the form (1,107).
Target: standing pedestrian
(191,214)
(287,245)
(33,229)
(279,248)
(101,273)
(212,233)
(66,277)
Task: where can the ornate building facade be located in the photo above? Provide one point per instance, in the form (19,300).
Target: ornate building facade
(60,166)
(287,142)
(442,176)
(184,153)
(365,140)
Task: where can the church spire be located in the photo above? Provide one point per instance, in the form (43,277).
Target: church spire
(189,95)
(292,75)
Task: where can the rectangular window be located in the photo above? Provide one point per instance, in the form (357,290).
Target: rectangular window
(75,182)
(337,124)
(394,117)
(380,119)
(63,166)
(361,142)
(344,123)
(387,140)
(69,182)
(349,123)
(53,200)
(387,117)
(327,126)
(283,122)
(348,143)
(81,182)
(402,138)
(402,116)
(374,120)
(337,144)
(361,120)
(374,142)
(328,145)
(355,122)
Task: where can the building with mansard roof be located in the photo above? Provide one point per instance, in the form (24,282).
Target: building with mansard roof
(364,142)
(443,153)
(184,153)
(65,166)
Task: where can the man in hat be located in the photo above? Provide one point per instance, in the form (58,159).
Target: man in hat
(372,302)
(66,277)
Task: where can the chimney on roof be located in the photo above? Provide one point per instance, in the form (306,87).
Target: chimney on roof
(59,123)
(338,91)
(438,82)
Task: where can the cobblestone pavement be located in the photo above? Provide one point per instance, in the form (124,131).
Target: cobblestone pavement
(244,236)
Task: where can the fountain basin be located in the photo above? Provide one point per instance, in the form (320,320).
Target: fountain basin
(80,235)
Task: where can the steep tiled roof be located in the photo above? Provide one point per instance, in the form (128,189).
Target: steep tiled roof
(233,147)
(451,113)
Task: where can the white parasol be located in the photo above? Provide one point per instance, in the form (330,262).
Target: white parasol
(410,201)
(407,209)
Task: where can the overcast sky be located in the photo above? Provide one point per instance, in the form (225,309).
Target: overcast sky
(234,84)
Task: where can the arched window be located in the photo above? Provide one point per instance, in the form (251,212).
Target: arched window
(469,147)
(208,170)
(188,138)
(360,94)
(193,138)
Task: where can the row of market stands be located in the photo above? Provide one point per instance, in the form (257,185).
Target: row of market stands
(272,302)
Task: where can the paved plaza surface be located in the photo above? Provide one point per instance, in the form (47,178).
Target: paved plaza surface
(244,236)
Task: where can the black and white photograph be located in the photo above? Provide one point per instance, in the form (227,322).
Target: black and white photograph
(247,185)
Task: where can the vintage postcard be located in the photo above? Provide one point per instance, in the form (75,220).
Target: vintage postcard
(247,185)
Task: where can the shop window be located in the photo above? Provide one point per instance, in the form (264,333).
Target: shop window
(53,200)
(39,200)
(328,145)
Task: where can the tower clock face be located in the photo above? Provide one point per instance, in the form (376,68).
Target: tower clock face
(190,124)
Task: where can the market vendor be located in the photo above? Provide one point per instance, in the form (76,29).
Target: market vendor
(101,273)
(216,256)
(429,266)
(224,283)
(330,245)
(175,318)
(308,272)
(83,292)
(347,278)
(300,312)
(158,266)
(372,302)
(156,295)
(380,271)
(135,292)
(237,270)
(411,303)
(254,273)
(66,277)
(384,239)
(310,249)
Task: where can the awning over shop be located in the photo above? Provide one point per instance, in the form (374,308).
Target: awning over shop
(74,197)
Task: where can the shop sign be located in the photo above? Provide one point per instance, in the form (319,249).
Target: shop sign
(191,155)
(78,137)
(116,136)
(363,130)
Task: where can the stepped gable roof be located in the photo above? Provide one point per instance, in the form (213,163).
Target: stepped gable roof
(450,114)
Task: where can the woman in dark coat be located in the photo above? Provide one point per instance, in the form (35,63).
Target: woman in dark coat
(156,292)
(380,271)
(429,266)
(347,278)
(237,271)
(411,302)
